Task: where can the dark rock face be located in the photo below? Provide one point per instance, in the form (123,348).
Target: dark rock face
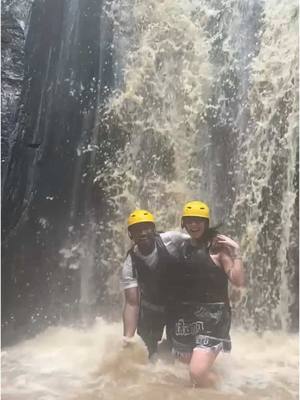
(15,15)
(48,191)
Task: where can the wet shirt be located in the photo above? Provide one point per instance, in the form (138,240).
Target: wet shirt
(171,239)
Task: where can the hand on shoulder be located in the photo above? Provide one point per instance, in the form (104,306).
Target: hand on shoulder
(223,242)
(226,240)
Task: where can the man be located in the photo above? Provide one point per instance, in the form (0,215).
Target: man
(198,286)
(144,280)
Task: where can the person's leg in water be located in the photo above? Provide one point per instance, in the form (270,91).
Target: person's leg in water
(150,328)
(200,366)
(207,349)
(151,344)
(169,327)
(200,361)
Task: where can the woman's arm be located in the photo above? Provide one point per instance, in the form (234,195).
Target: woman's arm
(231,260)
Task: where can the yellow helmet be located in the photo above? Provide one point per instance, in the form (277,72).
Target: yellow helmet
(196,209)
(138,216)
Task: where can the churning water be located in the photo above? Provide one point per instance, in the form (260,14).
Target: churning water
(64,363)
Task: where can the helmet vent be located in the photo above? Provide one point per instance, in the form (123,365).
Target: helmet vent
(138,216)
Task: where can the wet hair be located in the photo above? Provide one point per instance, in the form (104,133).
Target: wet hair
(212,232)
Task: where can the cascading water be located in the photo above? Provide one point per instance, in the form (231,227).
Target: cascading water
(266,207)
(171,101)
(178,130)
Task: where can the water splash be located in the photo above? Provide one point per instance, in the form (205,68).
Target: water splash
(87,364)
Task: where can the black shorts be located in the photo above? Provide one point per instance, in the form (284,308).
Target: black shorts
(203,326)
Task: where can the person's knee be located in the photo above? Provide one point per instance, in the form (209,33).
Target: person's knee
(197,373)
(200,371)
(203,378)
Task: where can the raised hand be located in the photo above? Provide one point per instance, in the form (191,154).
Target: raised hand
(229,243)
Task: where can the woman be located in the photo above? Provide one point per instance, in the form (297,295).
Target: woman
(198,294)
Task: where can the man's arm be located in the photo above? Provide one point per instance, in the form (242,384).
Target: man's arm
(131,292)
(130,311)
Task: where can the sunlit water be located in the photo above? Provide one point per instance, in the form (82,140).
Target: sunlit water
(65,363)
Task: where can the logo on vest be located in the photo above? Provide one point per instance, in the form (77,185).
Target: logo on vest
(186,329)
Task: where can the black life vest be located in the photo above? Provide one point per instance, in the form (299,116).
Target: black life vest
(196,278)
(152,281)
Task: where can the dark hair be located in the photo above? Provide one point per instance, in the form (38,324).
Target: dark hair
(212,232)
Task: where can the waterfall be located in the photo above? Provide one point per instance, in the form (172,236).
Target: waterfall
(266,205)
(203,117)
(148,104)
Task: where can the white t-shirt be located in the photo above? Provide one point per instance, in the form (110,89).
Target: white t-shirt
(171,240)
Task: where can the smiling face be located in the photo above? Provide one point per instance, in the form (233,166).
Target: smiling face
(195,226)
(143,235)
